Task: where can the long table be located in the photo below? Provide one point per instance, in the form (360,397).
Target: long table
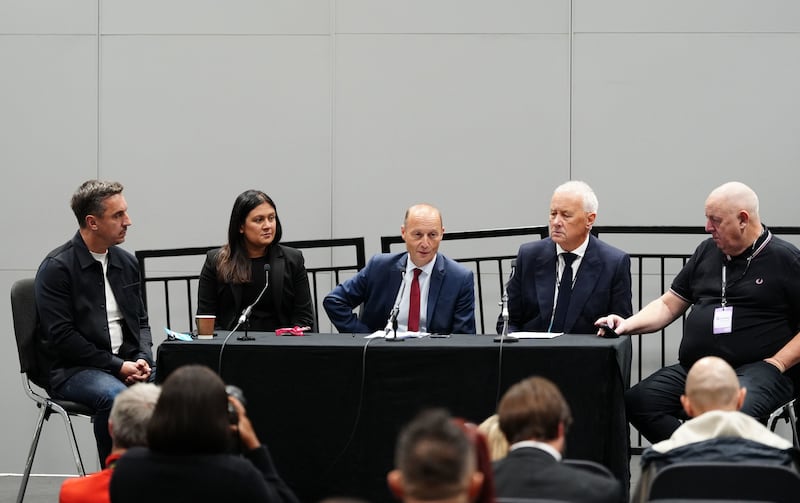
(330,406)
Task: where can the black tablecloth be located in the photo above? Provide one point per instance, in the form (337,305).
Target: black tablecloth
(330,406)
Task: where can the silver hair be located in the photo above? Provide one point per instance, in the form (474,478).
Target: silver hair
(131,413)
(582,189)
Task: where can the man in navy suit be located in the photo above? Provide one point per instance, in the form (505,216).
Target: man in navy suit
(543,296)
(445,289)
(534,417)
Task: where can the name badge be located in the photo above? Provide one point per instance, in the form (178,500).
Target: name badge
(723,320)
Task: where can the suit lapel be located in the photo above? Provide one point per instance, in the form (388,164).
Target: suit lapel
(589,271)
(276,274)
(546,281)
(434,288)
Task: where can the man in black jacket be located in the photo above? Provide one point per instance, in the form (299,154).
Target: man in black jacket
(90,308)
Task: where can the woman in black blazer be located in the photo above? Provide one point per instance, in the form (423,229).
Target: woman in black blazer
(234,275)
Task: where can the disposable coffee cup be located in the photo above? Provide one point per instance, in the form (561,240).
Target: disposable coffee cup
(205,326)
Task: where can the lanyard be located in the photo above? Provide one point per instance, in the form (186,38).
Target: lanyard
(746,267)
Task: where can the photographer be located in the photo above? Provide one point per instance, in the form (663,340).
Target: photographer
(190,457)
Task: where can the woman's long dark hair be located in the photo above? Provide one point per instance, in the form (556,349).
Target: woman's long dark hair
(191,415)
(233,265)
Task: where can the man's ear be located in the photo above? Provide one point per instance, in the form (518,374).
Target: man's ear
(740,399)
(395,481)
(687,405)
(475,485)
(110,429)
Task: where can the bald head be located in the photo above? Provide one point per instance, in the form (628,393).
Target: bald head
(732,217)
(737,196)
(712,384)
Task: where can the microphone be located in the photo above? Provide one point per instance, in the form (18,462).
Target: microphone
(244,318)
(503,337)
(391,323)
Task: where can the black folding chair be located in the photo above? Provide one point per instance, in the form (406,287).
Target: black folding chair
(721,480)
(34,371)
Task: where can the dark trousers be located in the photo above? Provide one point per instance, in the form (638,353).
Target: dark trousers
(654,408)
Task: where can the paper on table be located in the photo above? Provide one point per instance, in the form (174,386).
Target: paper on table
(536,335)
(400,335)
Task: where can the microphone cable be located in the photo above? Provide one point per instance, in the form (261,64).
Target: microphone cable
(357,418)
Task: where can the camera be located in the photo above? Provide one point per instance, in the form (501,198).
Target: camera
(236,393)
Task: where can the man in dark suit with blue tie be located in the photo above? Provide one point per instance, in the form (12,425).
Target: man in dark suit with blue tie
(432,292)
(565,282)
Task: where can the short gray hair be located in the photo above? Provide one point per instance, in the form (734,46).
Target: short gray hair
(582,189)
(131,413)
(90,198)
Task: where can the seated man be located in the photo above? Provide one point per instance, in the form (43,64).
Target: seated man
(127,425)
(534,418)
(546,295)
(741,285)
(90,308)
(713,398)
(439,298)
(434,462)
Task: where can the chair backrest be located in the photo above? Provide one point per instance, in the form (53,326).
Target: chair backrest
(589,466)
(722,480)
(23,310)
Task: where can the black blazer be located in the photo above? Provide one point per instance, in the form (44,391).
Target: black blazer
(288,291)
(528,472)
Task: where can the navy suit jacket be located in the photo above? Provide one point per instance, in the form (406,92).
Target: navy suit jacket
(602,286)
(529,472)
(451,296)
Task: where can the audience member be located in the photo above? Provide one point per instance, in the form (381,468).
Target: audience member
(127,425)
(189,456)
(434,462)
(565,282)
(717,430)
(534,418)
(741,285)
(233,276)
(496,440)
(91,314)
(439,296)
(483,463)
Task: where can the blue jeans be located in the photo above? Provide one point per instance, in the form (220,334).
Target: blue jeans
(96,389)
(653,406)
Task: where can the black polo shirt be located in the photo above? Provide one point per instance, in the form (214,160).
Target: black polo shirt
(765,297)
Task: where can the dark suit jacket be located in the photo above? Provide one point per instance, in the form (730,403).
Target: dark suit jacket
(602,286)
(529,472)
(451,296)
(288,291)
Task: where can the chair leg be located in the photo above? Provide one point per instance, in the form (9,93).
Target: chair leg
(32,452)
(793,422)
(73,441)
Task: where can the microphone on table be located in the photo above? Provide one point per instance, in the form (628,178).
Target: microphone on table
(503,337)
(391,323)
(245,317)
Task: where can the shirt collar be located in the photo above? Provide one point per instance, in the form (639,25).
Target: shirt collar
(579,251)
(538,445)
(427,269)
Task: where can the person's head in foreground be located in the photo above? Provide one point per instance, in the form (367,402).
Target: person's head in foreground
(434,462)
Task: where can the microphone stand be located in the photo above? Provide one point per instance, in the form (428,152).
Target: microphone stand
(244,319)
(391,323)
(504,337)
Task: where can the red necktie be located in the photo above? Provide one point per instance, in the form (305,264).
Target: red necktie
(413,303)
